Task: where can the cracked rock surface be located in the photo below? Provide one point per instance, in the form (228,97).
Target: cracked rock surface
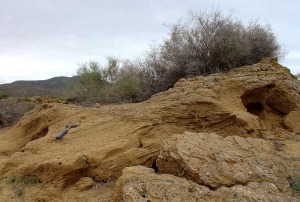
(142,185)
(215,161)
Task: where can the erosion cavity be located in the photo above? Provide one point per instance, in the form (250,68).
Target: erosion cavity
(255,100)
(270,104)
(41,133)
(35,129)
(255,108)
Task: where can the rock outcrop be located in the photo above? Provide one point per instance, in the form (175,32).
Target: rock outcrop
(143,185)
(215,161)
(84,183)
(260,101)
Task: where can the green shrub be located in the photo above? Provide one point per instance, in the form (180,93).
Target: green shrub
(91,76)
(116,82)
(295,182)
(3,96)
(128,90)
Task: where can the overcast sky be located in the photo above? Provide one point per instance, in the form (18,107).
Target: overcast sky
(40,39)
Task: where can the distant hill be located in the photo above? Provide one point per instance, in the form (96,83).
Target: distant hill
(55,87)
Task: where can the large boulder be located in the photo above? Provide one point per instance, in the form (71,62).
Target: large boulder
(140,184)
(215,161)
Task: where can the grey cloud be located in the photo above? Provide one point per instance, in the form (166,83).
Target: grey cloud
(81,28)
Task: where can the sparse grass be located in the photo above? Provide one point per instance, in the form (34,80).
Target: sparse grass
(31,179)
(26,180)
(14,181)
(23,99)
(11,179)
(295,183)
(18,182)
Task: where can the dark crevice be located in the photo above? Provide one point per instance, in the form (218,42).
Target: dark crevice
(154,166)
(227,186)
(255,108)
(43,132)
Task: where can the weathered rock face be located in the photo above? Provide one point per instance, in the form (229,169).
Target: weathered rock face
(84,183)
(291,121)
(258,101)
(255,98)
(142,185)
(215,161)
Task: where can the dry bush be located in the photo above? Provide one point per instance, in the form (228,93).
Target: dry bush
(11,110)
(206,43)
(202,44)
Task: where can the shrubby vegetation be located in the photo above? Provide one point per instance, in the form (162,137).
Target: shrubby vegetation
(202,44)
(11,110)
(117,82)
(3,95)
(295,182)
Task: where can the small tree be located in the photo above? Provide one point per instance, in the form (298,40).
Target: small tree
(91,76)
(111,71)
(130,81)
(118,81)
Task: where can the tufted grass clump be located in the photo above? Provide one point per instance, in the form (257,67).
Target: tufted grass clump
(31,180)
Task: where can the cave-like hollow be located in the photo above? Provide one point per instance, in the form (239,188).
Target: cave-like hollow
(255,108)
(270,104)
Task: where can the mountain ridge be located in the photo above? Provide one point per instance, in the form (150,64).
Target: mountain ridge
(56,87)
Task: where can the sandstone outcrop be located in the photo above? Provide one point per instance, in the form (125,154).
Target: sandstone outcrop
(84,183)
(142,185)
(215,161)
(258,101)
